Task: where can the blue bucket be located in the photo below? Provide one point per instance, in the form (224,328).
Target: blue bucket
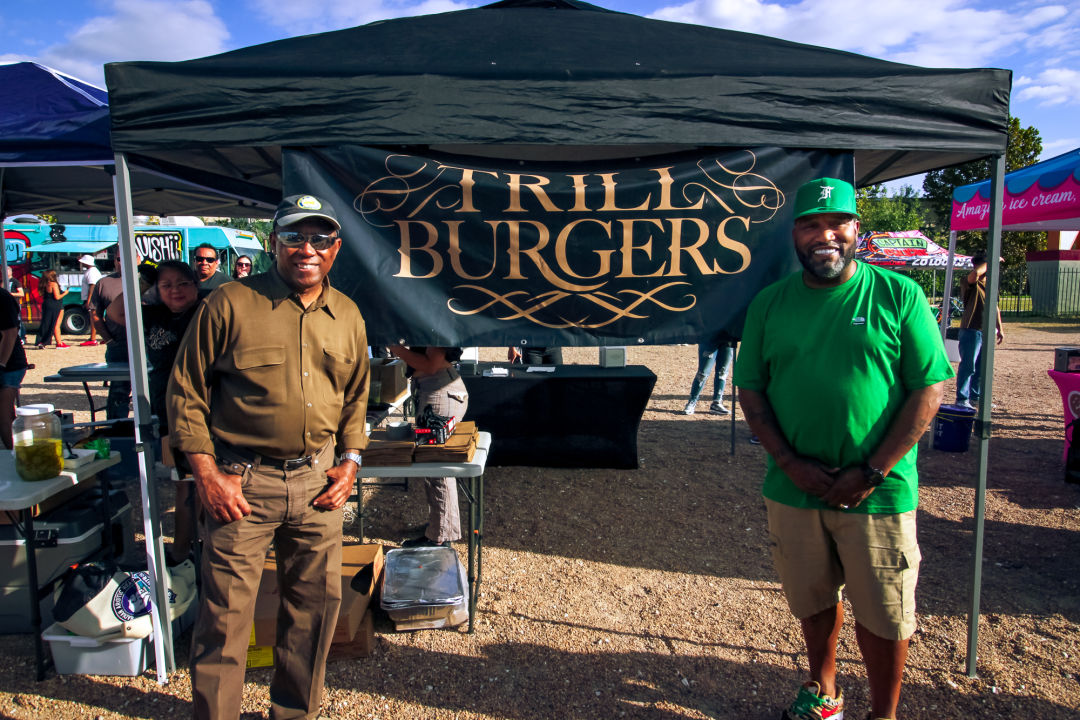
(952,431)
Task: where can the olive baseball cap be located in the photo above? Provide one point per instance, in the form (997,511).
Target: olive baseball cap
(825,195)
(295,208)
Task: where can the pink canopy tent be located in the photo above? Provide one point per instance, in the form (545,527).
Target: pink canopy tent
(1043,196)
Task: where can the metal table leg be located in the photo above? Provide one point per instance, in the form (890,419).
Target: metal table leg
(34,592)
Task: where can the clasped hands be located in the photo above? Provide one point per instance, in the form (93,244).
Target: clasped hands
(841,488)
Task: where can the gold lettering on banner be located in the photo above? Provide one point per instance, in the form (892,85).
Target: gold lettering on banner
(630,248)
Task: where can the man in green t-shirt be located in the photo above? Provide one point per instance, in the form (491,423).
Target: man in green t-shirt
(840,373)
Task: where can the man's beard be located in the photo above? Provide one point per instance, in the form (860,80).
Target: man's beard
(826,269)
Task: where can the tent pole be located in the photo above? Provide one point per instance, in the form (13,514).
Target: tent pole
(145,429)
(3,240)
(946,291)
(982,422)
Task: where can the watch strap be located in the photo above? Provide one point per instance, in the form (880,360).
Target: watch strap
(355,457)
(874,477)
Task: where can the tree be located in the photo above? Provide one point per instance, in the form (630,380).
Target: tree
(879,212)
(1023,149)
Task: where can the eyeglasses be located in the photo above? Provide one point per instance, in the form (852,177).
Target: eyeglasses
(181,285)
(297,239)
(243,265)
(204,259)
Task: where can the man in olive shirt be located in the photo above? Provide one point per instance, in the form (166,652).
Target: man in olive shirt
(270,381)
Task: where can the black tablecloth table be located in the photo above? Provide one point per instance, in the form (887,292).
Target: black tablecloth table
(575,416)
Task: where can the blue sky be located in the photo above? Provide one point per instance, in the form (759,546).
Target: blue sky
(1039,40)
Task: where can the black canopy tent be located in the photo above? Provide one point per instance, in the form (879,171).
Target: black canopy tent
(548,79)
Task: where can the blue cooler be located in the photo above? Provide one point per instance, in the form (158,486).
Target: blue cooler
(952,429)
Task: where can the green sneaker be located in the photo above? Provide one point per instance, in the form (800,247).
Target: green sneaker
(810,704)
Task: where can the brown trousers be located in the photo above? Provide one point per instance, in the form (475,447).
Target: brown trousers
(307,544)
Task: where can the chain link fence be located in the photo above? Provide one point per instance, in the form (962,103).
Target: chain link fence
(1045,290)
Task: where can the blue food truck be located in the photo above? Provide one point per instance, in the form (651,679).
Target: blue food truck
(32,248)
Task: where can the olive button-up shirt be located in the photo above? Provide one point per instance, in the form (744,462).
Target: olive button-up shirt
(260,371)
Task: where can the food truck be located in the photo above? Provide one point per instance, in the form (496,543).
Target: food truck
(32,248)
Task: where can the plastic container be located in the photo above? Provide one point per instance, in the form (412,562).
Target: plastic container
(76,655)
(421,583)
(39,453)
(952,430)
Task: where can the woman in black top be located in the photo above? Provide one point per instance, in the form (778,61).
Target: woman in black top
(164,325)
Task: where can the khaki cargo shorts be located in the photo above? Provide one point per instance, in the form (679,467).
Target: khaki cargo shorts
(873,558)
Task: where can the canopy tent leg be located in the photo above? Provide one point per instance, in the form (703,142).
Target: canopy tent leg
(946,292)
(982,422)
(144,424)
(3,240)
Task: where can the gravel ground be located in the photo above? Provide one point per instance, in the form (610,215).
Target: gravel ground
(650,593)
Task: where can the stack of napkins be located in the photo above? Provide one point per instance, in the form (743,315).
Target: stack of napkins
(497,372)
(382,451)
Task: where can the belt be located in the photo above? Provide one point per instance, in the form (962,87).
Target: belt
(267,461)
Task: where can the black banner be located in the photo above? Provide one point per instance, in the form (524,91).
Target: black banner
(462,251)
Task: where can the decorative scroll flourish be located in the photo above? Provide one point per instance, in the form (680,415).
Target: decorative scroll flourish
(751,190)
(528,308)
(392,192)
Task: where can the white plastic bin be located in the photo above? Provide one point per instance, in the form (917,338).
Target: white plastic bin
(77,655)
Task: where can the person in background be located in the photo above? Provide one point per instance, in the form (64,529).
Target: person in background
(90,278)
(535,355)
(52,310)
(19,294)
(13,364)
(205,264)
(268,402)
(164,324)
(242,267)
(437,383)
(840,372)
(107,290)
(716,354)
(970,337)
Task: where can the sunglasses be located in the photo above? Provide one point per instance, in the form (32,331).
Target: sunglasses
(203,259)
(242,265)
(318,241)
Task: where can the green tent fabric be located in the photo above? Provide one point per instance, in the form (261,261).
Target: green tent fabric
(531,76)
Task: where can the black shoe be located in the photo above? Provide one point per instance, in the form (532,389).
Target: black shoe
(423,541)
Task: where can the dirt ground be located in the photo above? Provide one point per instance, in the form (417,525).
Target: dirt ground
(650,593)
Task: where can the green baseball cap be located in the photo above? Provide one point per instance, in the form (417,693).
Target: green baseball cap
(825,195)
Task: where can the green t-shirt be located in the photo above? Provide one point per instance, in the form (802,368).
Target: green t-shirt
(836,364)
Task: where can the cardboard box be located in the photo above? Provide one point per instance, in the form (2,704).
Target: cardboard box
(361,569)
(361,646)
(391,373)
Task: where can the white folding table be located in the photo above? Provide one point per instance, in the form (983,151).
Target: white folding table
(19,497)
(470,479)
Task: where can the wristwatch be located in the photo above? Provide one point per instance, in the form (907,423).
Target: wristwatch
(872,475)
(355,457)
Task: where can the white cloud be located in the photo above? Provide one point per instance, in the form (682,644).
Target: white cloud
(139,30)
(1056,147)
(1053,86)
(302,17)
(931,33)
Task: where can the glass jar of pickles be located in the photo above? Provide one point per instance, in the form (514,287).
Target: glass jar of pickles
(38,449)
